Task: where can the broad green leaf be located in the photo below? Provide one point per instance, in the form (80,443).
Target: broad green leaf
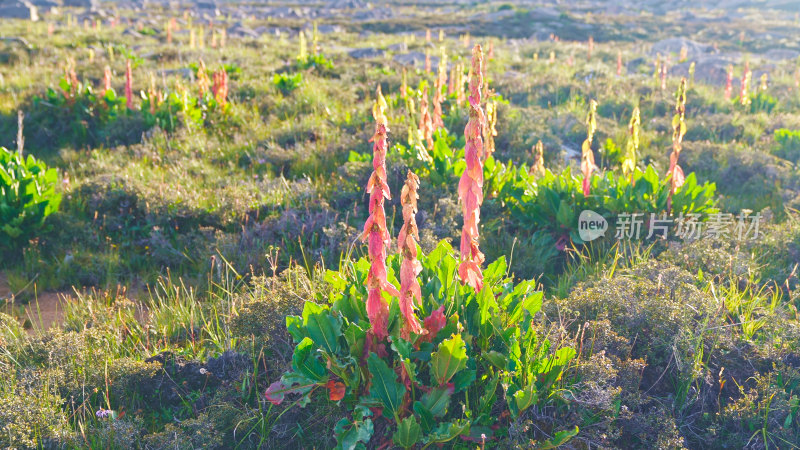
(464,379)
(449,359)
(437,400)
(323,327)
(448,431)
(565,215)
(425,416)
(559,439)
(404,349)
(306,363)
(408,432)
(294,325)
(497,359)
(356,338)
(524,398)
(352,435)
(384,386)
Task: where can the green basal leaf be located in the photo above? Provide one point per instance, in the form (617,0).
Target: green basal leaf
(323,327)
(425,416)
(559,439)
(352,435)
(408,432)
(447,431)
(384,386)
(356,339)
(437,400)
(449,359)
(305,362)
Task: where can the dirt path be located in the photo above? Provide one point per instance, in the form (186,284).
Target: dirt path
(44,310)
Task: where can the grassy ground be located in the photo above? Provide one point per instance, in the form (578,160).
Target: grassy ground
(179,253)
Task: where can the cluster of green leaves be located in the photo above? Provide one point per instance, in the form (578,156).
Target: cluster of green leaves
(232,69)
(27,196)
(175,109)
(317,61)
(287,83)
(554,201)
(89,114)
(787,144)
(761,101)
(80,106)
(482,363)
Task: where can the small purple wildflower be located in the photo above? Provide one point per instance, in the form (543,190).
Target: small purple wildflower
(102,413)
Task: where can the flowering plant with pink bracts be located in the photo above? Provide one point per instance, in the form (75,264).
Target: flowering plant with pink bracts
(128,85)
(729,83)
(675,174)
(375,232)
(410,295)
(424,388)
(362,342)
(425,120)
(470,187)
(438,92)
(220,87)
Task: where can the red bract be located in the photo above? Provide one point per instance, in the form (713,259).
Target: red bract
(433,323)
(745,84)
(425,121)
(729,83)
(220,87)
(106,80)
(470,188)
(275,393)
(128,86)
(410,267)
(203,82)
(438,87)
(336,390)
(375,232)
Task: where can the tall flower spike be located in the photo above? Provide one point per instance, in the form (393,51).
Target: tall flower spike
(675,173)
(106,80)
(428,61)
(220,87)
(629,164)
(152,94)
(410,267)
(425,121)
(451,84)
(537,168)
(128,85)
(619,64)
(729,83)
(203,83)
(470,187)
(438,87)
(404,86)
(745,84)
(459,85)
(587,156)
(375,232)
